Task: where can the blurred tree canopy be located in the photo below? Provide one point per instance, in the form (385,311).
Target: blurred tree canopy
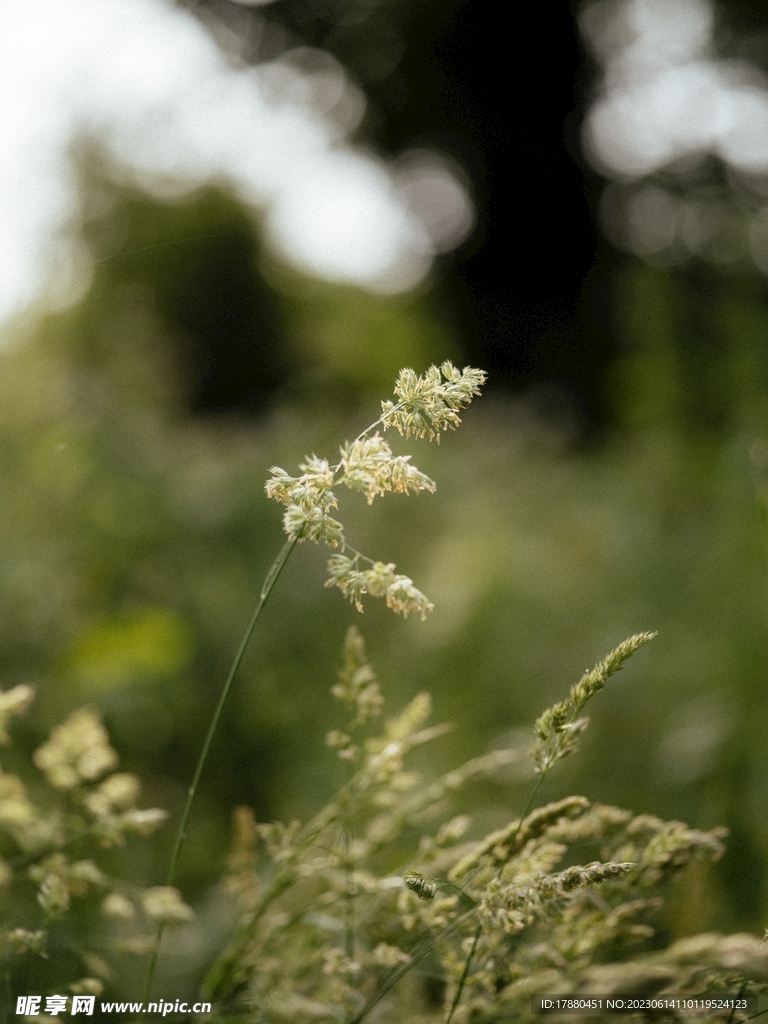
(442,76)
(536,295)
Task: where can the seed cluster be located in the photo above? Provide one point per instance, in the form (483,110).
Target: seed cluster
(426,405)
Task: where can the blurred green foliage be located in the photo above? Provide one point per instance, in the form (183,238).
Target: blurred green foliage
(134,535)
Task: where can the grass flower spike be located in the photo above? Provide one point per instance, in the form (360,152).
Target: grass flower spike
(559,727)
(430,404)
(379,580)
(425,406)
(368,465)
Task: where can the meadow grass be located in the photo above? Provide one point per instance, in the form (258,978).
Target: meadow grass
(387,904)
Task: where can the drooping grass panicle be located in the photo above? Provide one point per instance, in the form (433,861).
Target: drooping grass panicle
(379,580)
(426,405)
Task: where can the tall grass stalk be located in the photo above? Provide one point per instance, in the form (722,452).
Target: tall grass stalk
(426,406)
(557,732)
(270,580)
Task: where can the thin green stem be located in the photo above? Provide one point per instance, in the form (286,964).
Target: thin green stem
(269,582)
(523,816)
(271,578)
(742,990)
(464,975)
(215,985)
(390,981)
(349,902)
(544,772)
(7,997)
(468,963)
(542,775)
(358,554)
